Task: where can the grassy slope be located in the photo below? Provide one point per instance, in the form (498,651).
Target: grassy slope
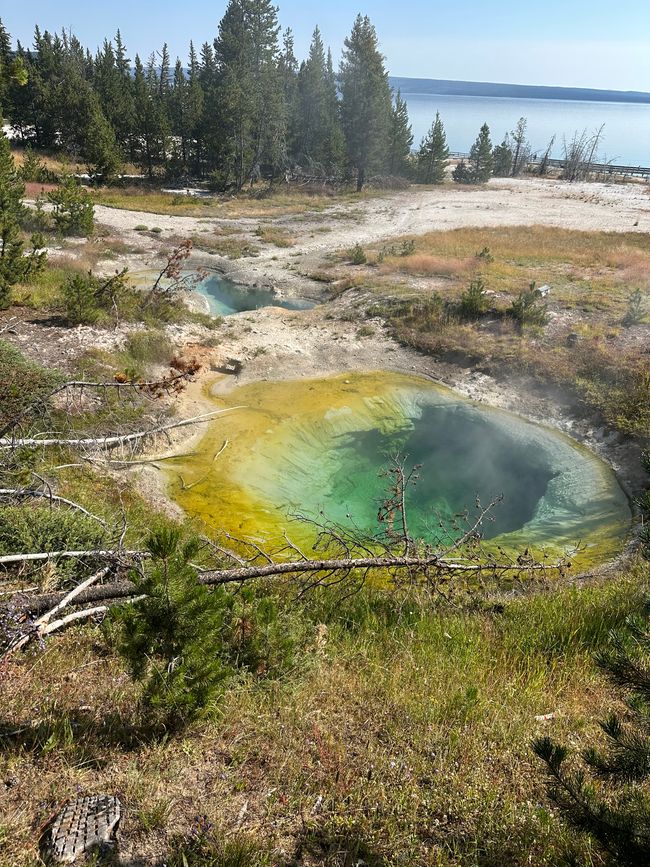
(399,731)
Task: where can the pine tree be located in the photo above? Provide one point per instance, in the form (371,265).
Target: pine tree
(13,74)
(335,140)
(463,174)
(365,100)
(480,156)
(520,147)
(615,814)
(150,131)
(5,65)
(288,72)
(433,154)
(317,130)
(15,266)
(112,83)
(400,138)
(249,109)
(100,148)
(502,158)
(176,638)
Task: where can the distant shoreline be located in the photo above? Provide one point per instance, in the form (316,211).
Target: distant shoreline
(448,87)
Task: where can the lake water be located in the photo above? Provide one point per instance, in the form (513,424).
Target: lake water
(626,138)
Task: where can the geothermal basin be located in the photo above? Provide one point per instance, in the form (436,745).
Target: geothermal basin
(318,447)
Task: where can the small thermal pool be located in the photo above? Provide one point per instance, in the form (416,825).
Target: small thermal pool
(318,447)
(226,297)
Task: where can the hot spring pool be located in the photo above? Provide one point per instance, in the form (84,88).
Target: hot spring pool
(225,297)
(318,446)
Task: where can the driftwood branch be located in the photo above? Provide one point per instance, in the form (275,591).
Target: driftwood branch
(27,493)
(241,574)
(42,626)
(167,383)
(117,556)
(109,442)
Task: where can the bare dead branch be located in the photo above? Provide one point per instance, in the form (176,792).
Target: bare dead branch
(117,555)
(27,493)
(111,441)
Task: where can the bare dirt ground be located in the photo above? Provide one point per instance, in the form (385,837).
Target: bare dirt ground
(503,202)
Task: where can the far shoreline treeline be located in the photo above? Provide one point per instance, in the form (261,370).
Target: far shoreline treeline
(452,87)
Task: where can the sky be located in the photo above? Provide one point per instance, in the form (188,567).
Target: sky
(573,43)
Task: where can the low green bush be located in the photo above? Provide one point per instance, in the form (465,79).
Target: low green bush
(184,642)
(39,527)
(474,301)
(528,308)
(357,255)
(73,211)
(150,346)
(22,382)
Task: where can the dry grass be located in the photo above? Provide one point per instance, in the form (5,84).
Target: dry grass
(584,348)
(227,244)
(256,203)
(427,265)
(275,235)
(402,735)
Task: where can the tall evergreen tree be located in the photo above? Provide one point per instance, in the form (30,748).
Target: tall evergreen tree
(250,103)
(502,158)
(112,82)
(400,138)
(433,154)
(14,264)
(317,127)
(150,132)
(365,100)
(13,73)
(480,156)
(186,107)
(520,147)
(288,72)
(100,149)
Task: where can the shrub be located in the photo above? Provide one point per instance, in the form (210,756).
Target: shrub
(528,308)
(485,255)
(183,642)
(34,170)
(473,301)
(28,528)
(636,309)
(150,346)
(357,255)
(173,638)
(141,228)
(156,230)
(73,212)
(22,382)
(79,299)
(463,174)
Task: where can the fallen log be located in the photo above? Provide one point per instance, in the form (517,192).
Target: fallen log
(108,442)
(215,577)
